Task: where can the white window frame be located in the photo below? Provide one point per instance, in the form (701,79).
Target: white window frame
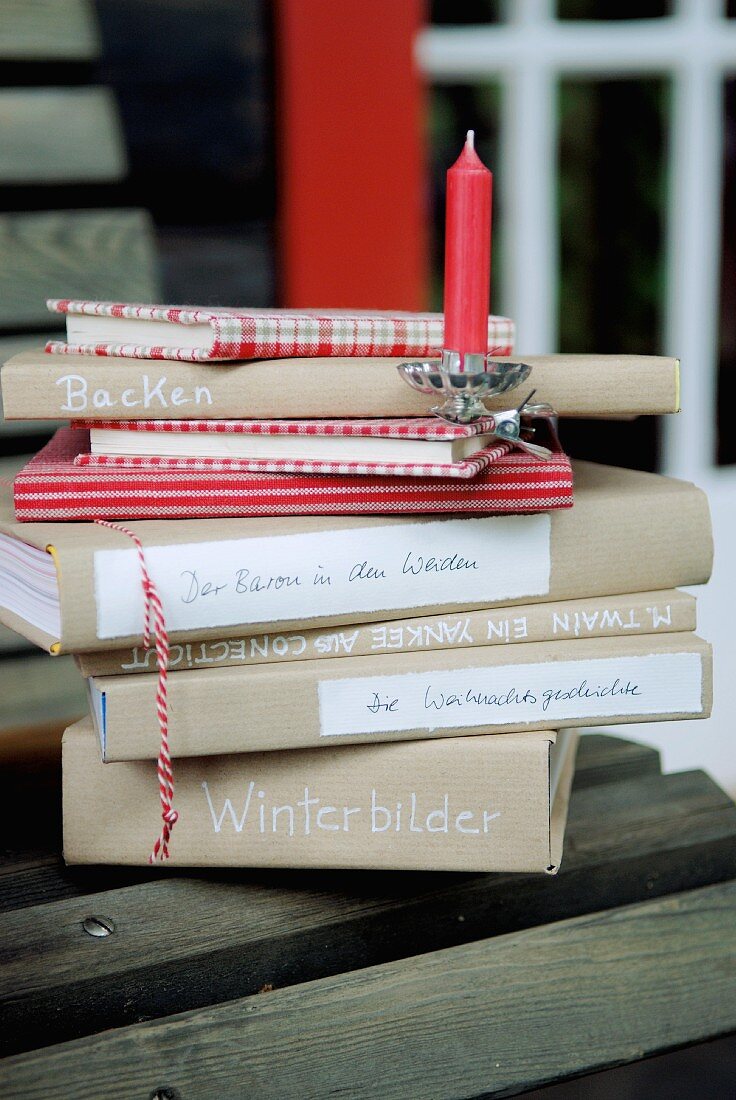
(695,48)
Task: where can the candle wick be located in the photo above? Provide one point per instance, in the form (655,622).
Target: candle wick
(470,139)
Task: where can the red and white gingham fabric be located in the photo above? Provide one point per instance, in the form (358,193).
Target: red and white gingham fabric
(272,333)
(413,427)
(466,469)
(52,487)
(427,428)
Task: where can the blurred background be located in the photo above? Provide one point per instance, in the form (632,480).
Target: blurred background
(241,152)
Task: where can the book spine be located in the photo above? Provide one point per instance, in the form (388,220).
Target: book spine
(51,487)
(304,573)
(282,334)
(312,704)
(422,805)
(53,387)
(639,613)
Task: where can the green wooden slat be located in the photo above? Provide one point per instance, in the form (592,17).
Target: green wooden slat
(487,1018)
(11,642)
(38,689)
(107,255)
(627,842)
(60,135)
(10,465)
(606,759)
(40,30)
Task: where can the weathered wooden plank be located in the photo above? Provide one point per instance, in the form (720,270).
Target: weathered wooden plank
(603,759)
(10,642)
(38,689)
(10,464)
(487,1018)
(626,842)
(41,30)
(60,135)
(75,253)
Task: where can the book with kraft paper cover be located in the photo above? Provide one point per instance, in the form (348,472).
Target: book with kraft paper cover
(75,587)
(401,696)
(475,804)
(37,385)
(670,611)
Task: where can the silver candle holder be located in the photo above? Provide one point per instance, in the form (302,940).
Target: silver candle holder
(464,380)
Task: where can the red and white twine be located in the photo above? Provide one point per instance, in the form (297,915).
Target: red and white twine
(153,610)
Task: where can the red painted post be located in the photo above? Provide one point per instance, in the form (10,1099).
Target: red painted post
(353,204)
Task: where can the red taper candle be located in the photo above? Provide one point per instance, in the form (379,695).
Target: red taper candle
(468,252)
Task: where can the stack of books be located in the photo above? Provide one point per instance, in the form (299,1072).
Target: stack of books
(439,664)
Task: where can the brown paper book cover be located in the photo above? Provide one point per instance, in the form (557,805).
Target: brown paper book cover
(407,696)
(36,385)
(475,804)
(665,612)
(77,587)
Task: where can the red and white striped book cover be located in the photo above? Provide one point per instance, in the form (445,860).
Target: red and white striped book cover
(427,429)
(53,487)
(121,329)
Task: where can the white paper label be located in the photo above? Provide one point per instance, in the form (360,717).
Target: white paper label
(310,576)
(552,692)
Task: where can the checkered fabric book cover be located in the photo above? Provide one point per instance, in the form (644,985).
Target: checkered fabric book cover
(416,428)
(273,333)
(53,487)
(411,427)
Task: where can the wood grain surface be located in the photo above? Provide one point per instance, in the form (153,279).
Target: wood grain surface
(10,642)
(484,1019)
(36,689)
(46,30)
(192,941)
(60,135)
(102,254)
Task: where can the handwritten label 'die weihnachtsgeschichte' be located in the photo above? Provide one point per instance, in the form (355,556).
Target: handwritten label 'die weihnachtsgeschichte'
(314,575)
(552,691)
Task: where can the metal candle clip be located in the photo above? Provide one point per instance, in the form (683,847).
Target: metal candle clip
(515,425)
(464,380)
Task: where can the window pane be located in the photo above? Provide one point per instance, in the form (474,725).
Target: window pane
(193,83)
(468,13)
(611,209)
(613,9)
(727,357)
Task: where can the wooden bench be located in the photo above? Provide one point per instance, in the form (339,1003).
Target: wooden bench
(365,984)
(56,143)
